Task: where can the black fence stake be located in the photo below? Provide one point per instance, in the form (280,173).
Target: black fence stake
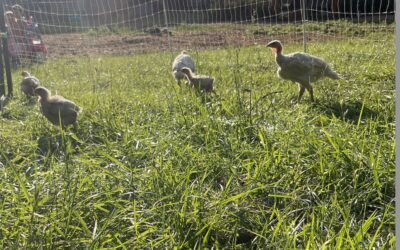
(5,55)
(2,85)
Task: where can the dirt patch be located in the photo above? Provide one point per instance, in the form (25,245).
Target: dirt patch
(72,44)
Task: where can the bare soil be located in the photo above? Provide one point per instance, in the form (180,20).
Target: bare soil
(83,44)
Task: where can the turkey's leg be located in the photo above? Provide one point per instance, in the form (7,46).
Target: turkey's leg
(311,91)
(301,91)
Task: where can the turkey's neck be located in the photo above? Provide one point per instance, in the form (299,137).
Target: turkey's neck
(280,58)
(44,98)
(189,76)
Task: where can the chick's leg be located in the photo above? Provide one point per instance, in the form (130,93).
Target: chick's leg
(301,92)
(311,91)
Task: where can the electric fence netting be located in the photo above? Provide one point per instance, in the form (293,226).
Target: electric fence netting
(126,27)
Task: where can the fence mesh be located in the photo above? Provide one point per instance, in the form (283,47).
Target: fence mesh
(76,27)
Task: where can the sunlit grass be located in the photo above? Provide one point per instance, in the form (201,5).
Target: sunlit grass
(151,166)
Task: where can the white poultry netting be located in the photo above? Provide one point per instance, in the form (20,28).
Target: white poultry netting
(54,28)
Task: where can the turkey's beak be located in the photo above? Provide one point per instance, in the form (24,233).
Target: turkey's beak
(274,50)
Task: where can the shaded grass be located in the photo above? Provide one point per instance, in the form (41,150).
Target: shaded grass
(151,166)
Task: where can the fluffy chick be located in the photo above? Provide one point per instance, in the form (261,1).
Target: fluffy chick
(28,84)
(200,83)
(57,109)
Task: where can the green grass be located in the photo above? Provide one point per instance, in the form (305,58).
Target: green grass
(152,166)
(333,28)
(337,28)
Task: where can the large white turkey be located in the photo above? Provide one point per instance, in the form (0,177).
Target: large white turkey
(301,68)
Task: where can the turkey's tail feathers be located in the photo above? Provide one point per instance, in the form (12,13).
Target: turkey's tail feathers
(332,74)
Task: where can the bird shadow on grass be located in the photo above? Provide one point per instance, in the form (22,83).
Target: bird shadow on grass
(57,144)
(30,101)
(15,112)
(347,111)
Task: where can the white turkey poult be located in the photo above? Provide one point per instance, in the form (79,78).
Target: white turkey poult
(301,68)
(183,60)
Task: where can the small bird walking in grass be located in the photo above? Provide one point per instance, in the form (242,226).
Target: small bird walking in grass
(57,109)
(28,84)
(301,68)
(201,84)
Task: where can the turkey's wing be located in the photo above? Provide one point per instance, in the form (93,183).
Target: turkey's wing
(305,63)
(63,108)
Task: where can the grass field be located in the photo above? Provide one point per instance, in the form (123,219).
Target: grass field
(152,166)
